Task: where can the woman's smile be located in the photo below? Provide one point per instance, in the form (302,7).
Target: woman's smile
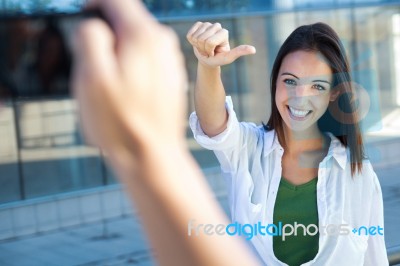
(298,114)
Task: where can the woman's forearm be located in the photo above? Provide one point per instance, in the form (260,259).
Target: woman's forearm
(211,46)
(209,96)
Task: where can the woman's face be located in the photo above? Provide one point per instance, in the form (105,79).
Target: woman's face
(303,89)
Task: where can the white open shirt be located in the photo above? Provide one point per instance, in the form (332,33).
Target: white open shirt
(251,159)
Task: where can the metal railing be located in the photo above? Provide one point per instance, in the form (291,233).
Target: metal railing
(394,255)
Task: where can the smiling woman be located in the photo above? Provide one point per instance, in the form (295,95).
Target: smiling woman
(317,55)
(306,165)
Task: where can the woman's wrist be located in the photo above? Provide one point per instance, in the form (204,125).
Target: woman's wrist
(207,68)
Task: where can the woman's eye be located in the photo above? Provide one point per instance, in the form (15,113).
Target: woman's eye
(290,82)
(319,87)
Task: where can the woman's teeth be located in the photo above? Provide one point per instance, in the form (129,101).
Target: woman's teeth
(298,113)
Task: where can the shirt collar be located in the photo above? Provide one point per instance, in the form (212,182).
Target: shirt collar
(336,149)
(271,142)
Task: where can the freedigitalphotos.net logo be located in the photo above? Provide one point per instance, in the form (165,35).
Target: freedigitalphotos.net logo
(279,229)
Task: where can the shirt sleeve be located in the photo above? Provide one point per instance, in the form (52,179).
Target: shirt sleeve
(223,141)
(376,253)
(230,145)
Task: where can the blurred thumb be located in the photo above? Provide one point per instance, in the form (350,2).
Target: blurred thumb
(239,51)
(93,42)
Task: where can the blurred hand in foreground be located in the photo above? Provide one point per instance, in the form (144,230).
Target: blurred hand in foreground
(129,78)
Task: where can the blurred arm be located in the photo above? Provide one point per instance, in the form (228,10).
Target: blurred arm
(129,81)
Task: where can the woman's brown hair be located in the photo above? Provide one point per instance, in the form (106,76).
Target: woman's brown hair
(341,117)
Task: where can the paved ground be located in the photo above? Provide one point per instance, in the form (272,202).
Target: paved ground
(390,183)
(117,242)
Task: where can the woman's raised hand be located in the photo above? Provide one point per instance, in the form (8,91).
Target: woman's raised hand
(211,45)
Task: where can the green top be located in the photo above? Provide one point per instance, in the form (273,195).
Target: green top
(296,204)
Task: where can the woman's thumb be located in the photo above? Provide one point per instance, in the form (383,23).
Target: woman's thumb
(239,51)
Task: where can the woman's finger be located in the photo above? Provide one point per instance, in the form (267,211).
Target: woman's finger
(239,51)
(193,29)
(219,38)
(197,33)
(203,39)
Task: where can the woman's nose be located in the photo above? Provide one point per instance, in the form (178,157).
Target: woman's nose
(304,90)
(299,100)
